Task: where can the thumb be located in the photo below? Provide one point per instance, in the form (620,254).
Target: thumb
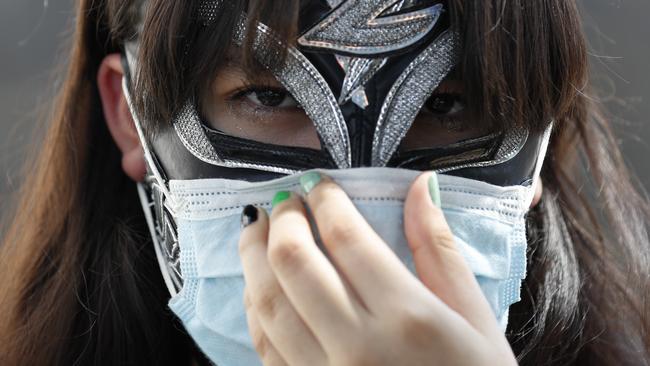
(439,264)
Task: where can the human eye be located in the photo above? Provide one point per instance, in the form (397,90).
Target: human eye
(447,109)
(258,109)
(443,120)
(268,97)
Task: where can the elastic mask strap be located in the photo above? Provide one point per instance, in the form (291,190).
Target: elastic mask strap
(153,167)
(541,157)
(147,204)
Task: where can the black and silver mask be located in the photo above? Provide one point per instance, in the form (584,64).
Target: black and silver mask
(364,73)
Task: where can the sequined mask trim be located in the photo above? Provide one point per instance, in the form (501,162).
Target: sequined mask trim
(409,93)
(361,34)
(305,84)
(356,27)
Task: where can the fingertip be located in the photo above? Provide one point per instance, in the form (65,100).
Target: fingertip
(309,181)
(254,227)
(249,216)
(285,201)
(434,189)
(423,196)
(317,186)
(423,218)
(253,216)
(280,197)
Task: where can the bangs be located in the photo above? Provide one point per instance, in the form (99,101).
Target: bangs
(181,50)
(523,63)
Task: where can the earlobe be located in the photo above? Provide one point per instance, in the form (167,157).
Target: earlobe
(118,116)
(539,189)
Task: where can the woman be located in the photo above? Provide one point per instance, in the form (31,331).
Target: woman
(80,276)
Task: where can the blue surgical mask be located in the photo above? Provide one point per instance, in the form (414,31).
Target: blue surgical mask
(488,223)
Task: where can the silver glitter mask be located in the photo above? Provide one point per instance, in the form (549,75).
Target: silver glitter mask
(363,36)
(355,27)
(403,45)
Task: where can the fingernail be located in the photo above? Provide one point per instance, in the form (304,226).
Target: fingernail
(280,197)
(434,189)
(309,180)
(248,216)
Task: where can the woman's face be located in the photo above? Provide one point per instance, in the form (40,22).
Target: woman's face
(343,102)
(294,117)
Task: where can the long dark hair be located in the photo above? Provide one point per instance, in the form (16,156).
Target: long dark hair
(80,283)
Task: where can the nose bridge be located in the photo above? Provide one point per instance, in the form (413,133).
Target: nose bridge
(361,125)
(361,48)
(362,115)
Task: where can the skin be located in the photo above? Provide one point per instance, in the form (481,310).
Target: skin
(361,306)
(118,117)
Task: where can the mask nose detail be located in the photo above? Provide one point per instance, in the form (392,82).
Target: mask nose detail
(360,128)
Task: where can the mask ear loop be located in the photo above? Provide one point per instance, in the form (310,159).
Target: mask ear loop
(541,157)
(170,201)
(145,145)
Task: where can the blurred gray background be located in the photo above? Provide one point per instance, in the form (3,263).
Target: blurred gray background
(34,35)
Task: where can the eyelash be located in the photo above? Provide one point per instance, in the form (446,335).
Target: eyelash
(452,122)
(253,88)
(247,89)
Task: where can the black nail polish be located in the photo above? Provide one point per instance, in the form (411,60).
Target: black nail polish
(248,216)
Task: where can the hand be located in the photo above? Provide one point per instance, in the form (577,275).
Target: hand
(362,306)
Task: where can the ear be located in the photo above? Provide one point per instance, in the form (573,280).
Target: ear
(539,189)
(118,116)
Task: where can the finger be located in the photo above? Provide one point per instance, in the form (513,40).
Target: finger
(263,346)
(277,317)
(439,265)
(308,279)
(370,266)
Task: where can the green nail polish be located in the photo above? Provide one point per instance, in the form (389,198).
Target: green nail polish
(309,180)
(434,189)
(280,197)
